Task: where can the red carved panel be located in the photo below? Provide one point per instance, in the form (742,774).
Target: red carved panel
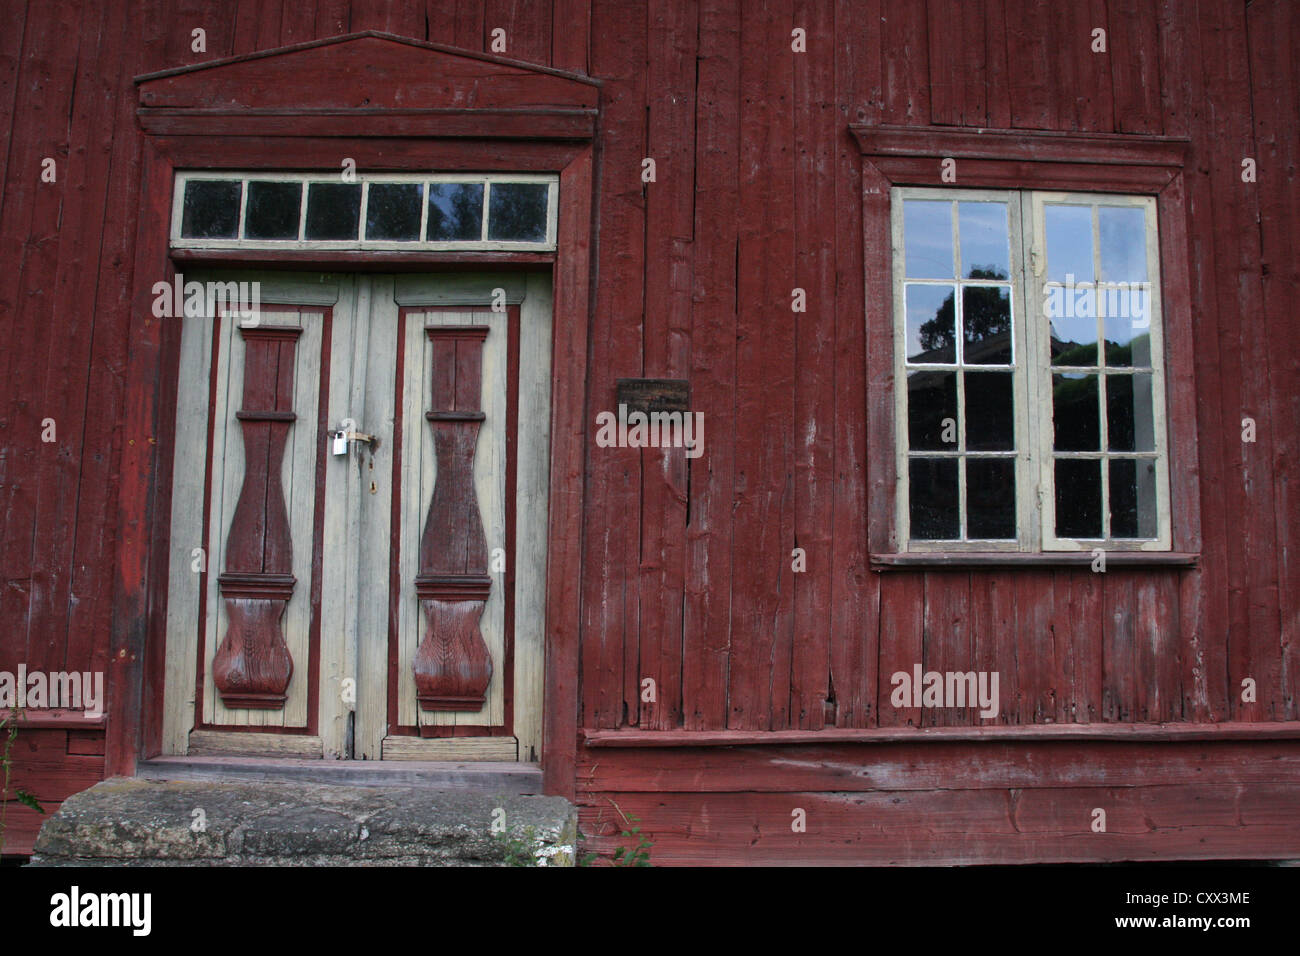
(252,666)
(452,664)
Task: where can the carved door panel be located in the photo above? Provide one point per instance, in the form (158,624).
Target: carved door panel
(369,494)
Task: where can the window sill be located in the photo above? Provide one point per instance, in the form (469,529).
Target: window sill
(1050,559)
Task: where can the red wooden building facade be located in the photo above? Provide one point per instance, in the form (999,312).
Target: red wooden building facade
(705,638)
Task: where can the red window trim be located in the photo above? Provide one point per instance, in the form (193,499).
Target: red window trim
(1015,159)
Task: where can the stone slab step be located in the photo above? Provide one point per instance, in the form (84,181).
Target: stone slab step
(134,821)
(483,776)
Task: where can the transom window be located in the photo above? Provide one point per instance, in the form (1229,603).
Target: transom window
(1027,332)
(213,210)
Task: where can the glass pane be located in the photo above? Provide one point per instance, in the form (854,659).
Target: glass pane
(932,498)
(1069,243)
(990,498)
(1132,498)
(393,211)
(985,240)
(455,212)
(1074,335)
(1130,424)
(927,239)
(272,211)
(1127,326)
(986,325)
(1075,412)
(333,210)
(1078,498)
(517,212)
(990,412)
(932,411)
(931,324)
(211,209)
(1123,243)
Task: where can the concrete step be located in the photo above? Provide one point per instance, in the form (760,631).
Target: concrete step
(141,822)
(484,776)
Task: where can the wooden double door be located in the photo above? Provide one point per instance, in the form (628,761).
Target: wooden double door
(358,529)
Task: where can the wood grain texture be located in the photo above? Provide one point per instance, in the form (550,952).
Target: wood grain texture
(653,561)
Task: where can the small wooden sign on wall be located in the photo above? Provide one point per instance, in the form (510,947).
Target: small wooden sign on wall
(654,394)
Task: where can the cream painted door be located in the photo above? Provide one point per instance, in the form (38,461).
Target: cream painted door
(375,595)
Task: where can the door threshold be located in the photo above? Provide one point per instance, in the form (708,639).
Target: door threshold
(479,776)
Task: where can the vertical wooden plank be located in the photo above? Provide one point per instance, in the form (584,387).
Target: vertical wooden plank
(1119,661)
(11,55)
(1004,617)
(1035,644)
(1087,625)
(609,606)
(527,26)
(1064,648)
(763,516)
(1082,78)
(815,128)
(997,86)
(902,628)
(906,63)
(333,18)
(247,25)
(1135,65)
(471,34)
(672,33)
(706,613)
(298,21)
(29,232)
(440,22)
(83,179)
(1254,649)
(958,65)
(1203,592)
(1029,59)
(1274,34)
(567,472)
(863,371)
(570,34)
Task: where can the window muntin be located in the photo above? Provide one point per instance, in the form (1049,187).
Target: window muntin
(1031,413)
(249,210)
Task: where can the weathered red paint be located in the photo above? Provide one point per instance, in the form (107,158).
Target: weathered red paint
(680,570)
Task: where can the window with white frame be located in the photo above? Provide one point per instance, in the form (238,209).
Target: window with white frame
(1028,359)
(249,210)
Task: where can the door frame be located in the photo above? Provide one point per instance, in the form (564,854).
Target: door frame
(226,114)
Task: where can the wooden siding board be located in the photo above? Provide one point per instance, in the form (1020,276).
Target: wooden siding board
(610,622)
(672,33)
(1029,57)
(997,77)
(570,34)
(1134,44)
(855,592)
(954,827)
(1253,636)
(527,26)
(31,229)
(931,766)
(905,63)
(958,64)
(85,182)
(762,514)
(1274,34)
(706,612)
(815,125)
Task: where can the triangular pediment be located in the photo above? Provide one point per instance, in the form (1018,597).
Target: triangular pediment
(365,72)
